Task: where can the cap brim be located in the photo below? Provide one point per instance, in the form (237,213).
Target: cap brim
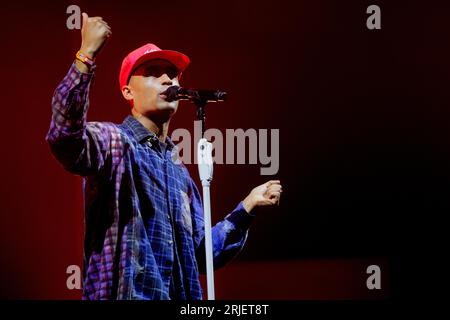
(179,60)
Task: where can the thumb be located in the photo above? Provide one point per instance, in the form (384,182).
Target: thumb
(85,18)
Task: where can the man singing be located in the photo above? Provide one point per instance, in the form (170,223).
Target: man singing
(144,231)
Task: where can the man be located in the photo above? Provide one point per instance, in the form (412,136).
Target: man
(144,236)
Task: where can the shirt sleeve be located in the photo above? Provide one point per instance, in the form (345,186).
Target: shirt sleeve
(81,147)
(228,235)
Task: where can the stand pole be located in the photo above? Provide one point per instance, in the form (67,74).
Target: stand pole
(205,169)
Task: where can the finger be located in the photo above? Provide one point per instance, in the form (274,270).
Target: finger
(271,182)
(103,22)
(274,194)
(274,187)
(105,26)
(268,202)
(85,17)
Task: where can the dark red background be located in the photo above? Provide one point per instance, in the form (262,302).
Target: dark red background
(363,136)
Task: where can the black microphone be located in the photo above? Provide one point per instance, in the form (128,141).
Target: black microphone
(174,93)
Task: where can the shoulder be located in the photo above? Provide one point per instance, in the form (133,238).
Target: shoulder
(104,129)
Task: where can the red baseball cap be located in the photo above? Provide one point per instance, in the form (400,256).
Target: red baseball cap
(149,52)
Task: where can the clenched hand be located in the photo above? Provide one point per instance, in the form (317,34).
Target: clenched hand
(266,194)
(94,33)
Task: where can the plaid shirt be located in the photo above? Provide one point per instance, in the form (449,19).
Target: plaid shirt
(144,230)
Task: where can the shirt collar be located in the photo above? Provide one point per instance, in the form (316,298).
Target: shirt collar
(142,134)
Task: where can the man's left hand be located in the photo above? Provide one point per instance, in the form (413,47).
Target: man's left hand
(267,194)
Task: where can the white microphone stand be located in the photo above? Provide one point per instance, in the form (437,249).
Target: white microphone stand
(205,169)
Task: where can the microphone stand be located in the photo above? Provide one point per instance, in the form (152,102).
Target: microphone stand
(205,169)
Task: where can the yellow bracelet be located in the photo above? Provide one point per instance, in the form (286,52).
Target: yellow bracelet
(85,59)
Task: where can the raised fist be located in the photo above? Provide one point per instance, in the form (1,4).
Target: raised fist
(94,33)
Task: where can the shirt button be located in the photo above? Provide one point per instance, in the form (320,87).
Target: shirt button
(168,216)
(170,241)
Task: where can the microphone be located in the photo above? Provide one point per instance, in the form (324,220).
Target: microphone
(174,93)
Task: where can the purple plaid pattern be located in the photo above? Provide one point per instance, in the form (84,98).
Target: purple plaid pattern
(144,231)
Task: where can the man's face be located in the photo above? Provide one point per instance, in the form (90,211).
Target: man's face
(148,81)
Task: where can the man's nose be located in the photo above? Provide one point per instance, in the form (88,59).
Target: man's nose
(166,80)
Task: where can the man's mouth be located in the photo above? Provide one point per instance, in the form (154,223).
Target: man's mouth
(162,95)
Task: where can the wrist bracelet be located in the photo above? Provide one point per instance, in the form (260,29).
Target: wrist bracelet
(85,59)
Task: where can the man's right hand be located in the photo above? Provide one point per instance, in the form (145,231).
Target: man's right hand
(94,33)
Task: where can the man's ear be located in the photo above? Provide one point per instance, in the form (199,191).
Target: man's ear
(127,93)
